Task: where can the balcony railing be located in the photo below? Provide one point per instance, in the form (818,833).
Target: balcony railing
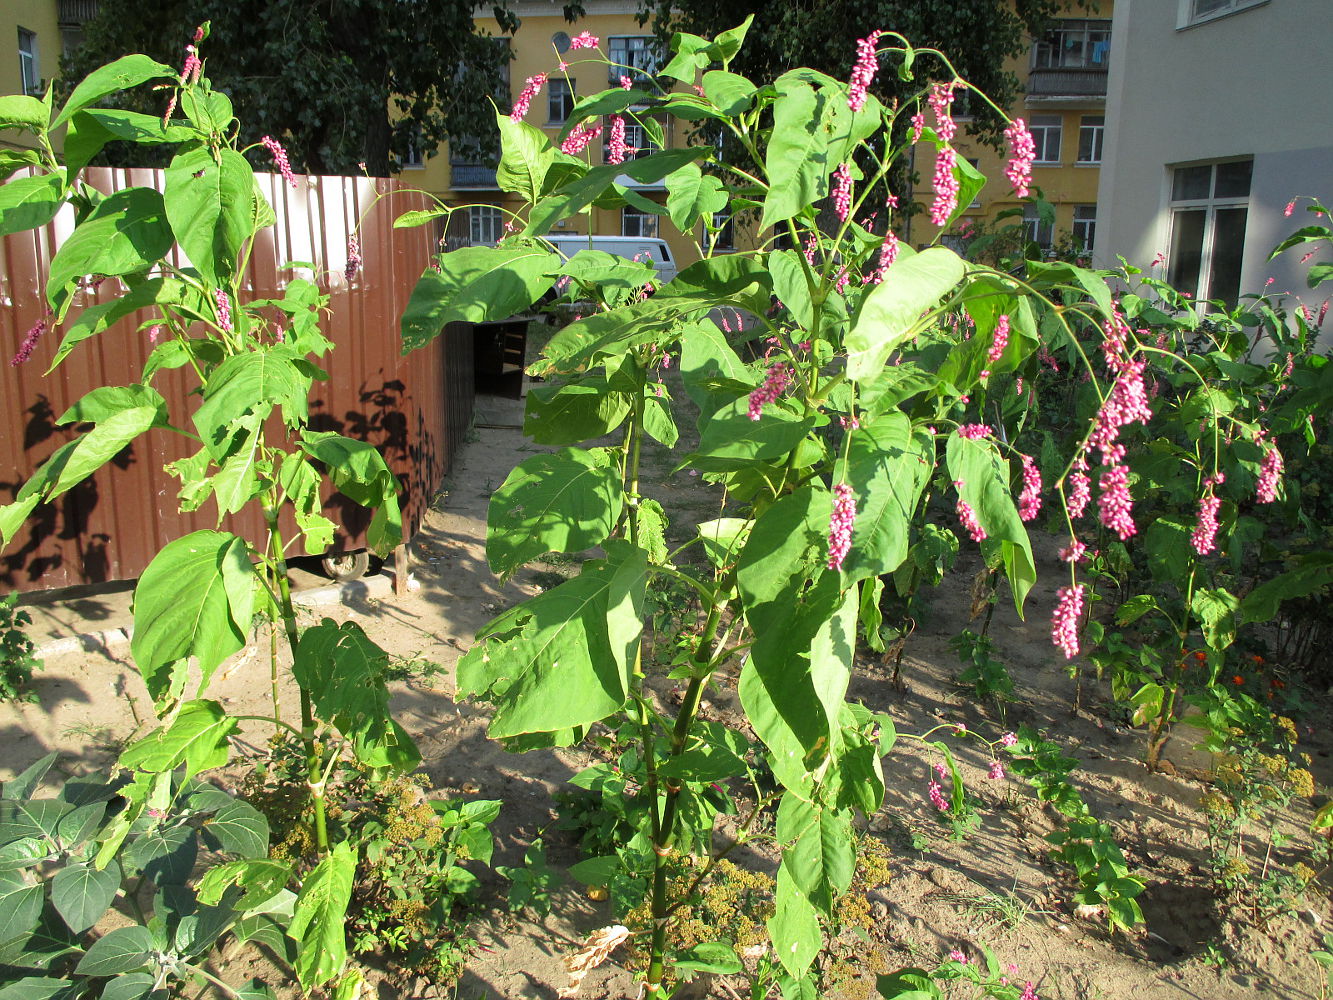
(473,175)
(75,12)
(1067,83)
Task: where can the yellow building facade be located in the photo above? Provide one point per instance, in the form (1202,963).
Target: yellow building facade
(31,43)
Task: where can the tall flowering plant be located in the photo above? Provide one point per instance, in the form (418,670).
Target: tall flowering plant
(887,380)
(247,362)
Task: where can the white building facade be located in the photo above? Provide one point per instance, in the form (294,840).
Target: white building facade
(1219,113)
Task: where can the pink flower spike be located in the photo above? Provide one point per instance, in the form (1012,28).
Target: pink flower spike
(1009,740)
(840,525)
(154,332)
(968,518)
(1064,623)
(1028,992)
(775,383)
(353,256)
(1115,506)
(224,309)
(999,340)
(1074,552)
(959,957)
(1022,151)
(30,339)
(532,86)
(941,103)
(1205,532)
(937,796)
(1029,500)
(974,432)
(918,122)
(842,191)
(996,772)
(1270,470)
(863,73)
(946,186)
(616,149)
(1291,207)
(626,83)
(280,158)
(577,141)
(585,40)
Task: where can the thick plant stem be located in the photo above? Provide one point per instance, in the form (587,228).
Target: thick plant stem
(315,773)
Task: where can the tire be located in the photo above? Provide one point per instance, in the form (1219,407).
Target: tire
(344,566)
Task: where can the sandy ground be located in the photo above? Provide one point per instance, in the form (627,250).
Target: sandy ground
(92,701)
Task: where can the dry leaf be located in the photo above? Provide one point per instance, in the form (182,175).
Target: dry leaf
(594,952)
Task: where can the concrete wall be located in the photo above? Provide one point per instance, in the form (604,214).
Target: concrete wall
(1251,83)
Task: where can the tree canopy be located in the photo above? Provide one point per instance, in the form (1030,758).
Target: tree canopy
(338,82)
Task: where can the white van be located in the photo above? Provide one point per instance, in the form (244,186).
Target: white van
(646,248)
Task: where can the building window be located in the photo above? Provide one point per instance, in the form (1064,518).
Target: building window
(1074,43)
(1090,134)
(1045,131)
(633,56)
(487,224)
(724,231)
(976,202)
(636,222)
(638,143)
(30,74)
(559,101)
(1085,227)
(1036,231)
(1209,206)
(1207,10)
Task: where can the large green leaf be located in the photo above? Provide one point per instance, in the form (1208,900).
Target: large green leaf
(20,905)
(165,854)
(321,909)
(706,359)
(612,334)
(38,988)
(344,672)
(1310,575)
(563,658)
(260,878)
(245,388)
(731,440)
(692,195)
(125,949)
(889,314)
(196,599)
(24,784)
(82,893)
(475,285)
(528,155)
(38,818)
(1215,608)
(887,468)
(22,111)
(126,233)
(125,72)
(359,472)
(563,502)
(98,318)
(197,739)
(131,986)
(984,475)
(30,202)
(794,927)
(208,201)
(568,414)
(818,849)
(797,153)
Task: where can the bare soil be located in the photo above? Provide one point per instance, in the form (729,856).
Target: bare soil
(92,702)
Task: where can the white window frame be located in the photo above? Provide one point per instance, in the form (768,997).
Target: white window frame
(1052,50)
(1211,205)
(486,225)
(559,84)
(646,225)
(1085,228)
(1034,229)
(1045,129)
(1097,129)
(1191,15)
(622,50)
(30,72)
(725,236)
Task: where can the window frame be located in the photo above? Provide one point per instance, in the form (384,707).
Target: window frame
(1211,205)
(30,69)
(1049,54)
(1087,243)
(1098,143)
(625,66)
(552,85)
(631,212)
(481,218)
(1032,219)
(1058,126)
(1189,16)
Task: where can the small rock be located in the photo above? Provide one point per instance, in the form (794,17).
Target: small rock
(1312,918)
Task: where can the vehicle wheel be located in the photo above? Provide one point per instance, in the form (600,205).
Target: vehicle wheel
(344,566)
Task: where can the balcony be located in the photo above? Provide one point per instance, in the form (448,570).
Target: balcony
(473,177)
(76,12)
(1049,85)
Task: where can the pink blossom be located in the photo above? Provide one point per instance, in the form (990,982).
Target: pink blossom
(1270,470)
(171,108)
(1028,992)
(353,256)
(585,41)
(626,83)
(918,121)
(775,383)
(974,432)
(280,158)
(999,340)
(617,150)
(577,140)
(968,518)
(959,957)
(996,772)
(840,525)
(1022,151)
(941,102)
(224,309)
(863,73)
(1064,623)
(946,186)
(1127,403)
(531,88)
(1074,552)
(1291,207)
(888,253)
(1029,500)
(1115,506)
(190,71)
(30,339)
(154,332)
(1206,530)
(937,796)
(1009,740)
(1080,492)
(842,191)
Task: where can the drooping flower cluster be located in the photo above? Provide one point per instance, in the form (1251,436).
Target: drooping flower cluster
(973,432)
(842,191)
(1009,740)
(863,73)
(1022,151)
(775,383)
(1205,532)
(1114,505)
(353,257)
(996,772)
(888,253)
(941,102)
(999,340)
(1064,623)
(280,158)
(967,517)
(532,86)
(586,40)
(1270,471)
(918,126)
(1029,500)
(1074,552)
(224,309)
(936,791)
(616,150)
(190,71)
(840,525)
(946,186)
(30,339)
(1080,490)
(577,140)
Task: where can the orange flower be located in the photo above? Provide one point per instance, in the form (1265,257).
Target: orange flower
(1200,655)
(1278,684)
(1257,659)
(1238,680)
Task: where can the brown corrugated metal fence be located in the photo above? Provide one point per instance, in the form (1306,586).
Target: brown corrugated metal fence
(415,409)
